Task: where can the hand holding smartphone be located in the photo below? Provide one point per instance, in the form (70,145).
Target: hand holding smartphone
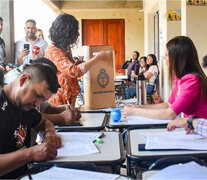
(26,46)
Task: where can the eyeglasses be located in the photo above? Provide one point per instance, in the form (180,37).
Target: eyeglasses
(141,61)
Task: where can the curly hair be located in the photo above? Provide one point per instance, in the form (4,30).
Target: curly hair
(64,31)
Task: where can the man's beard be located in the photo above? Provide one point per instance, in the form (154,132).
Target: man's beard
(25,107)
(30,35)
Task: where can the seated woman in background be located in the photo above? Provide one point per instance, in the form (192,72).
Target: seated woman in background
(132,66)
(199,125)
(151,74)
(143,66)
(190,85)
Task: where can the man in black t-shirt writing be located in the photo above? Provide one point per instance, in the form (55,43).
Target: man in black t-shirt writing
(18,115)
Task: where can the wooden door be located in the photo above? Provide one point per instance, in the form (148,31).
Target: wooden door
(106,32)
(92,32)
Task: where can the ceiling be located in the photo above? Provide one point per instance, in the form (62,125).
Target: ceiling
(62,5)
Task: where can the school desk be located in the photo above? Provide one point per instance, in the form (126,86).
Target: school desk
(138,160)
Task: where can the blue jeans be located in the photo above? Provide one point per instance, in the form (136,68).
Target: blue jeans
(150,89)
(130,92)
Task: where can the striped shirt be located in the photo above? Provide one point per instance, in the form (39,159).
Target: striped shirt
(201,127)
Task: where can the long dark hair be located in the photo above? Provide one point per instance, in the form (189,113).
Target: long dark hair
(183,59)
(64,31)
(137,54)
(154,62)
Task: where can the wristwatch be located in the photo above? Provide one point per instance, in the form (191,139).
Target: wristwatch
(190,122)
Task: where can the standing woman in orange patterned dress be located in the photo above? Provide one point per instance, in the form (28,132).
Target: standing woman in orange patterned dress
(64,34)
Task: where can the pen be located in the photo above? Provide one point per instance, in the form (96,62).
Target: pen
(41,136)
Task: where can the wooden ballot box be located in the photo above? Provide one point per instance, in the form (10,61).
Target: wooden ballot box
(99,81)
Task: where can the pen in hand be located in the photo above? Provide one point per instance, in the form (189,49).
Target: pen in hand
(41,136)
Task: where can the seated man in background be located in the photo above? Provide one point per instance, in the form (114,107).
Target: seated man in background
(30,47)
(18,115)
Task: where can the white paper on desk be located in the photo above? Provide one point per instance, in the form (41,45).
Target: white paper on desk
(144,120)
(77,148)
(188,171)
(73,174)
(129,101)
(77,144)
(79,136)
(175,140)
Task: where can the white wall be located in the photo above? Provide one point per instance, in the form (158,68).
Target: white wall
(173,27)
(32,9)
(196,28)
(150,8)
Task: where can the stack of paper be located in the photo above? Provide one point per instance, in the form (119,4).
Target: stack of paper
(175,140)
(188,171)
(76,144)
(73,174)
(143,120)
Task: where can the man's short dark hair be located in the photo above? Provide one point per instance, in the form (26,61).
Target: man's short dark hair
(1,19)
(31,20)
(43,72)
(45,61)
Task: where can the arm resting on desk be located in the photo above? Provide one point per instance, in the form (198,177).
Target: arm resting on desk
(200,125)
(163,112)
(151,106)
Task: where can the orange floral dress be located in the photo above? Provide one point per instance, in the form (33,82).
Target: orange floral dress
(67,74)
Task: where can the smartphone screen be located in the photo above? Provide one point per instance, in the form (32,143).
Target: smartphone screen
(26,46)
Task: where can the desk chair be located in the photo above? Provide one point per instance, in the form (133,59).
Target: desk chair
(138,160)
(120,90)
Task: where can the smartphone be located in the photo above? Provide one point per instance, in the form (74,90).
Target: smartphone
(26,46)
